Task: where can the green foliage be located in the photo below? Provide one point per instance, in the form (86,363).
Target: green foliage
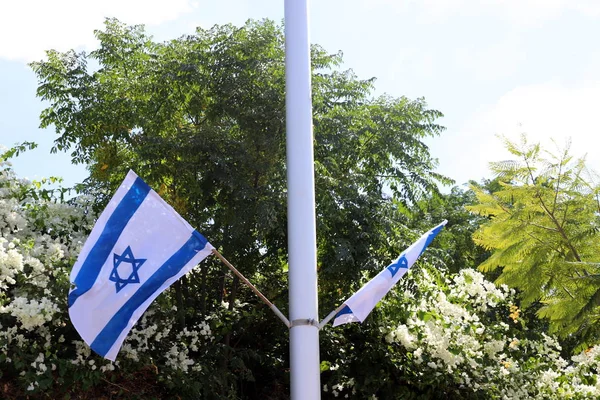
(543,234)
(201,118)
(454,245)
(16,150)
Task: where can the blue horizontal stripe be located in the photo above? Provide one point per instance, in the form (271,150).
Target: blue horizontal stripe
(345,310)
(430,238)
(98,255)
(113,329)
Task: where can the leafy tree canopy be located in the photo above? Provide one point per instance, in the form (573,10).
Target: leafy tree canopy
(202,119)
(543,234)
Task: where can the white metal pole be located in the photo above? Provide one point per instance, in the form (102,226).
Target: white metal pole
(302,242)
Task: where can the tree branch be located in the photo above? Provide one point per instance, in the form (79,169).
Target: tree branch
(561,231)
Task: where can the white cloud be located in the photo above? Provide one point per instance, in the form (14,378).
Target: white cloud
(544,112)
(28,28)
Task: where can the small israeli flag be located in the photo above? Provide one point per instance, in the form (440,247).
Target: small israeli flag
(360,305)
(138,248)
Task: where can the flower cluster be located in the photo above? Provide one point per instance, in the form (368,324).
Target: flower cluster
(31,313)
(467,331)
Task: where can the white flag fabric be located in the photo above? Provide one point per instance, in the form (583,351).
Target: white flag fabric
(360,305)
(138,248)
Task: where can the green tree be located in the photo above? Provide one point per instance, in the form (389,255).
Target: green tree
(454,245)
(543,234)
(202,119)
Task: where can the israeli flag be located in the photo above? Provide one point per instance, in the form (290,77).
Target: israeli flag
(360,305)
(138,248)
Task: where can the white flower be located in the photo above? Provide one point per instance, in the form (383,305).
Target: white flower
(493,346)
(418,353)
(31,313)
(403,335)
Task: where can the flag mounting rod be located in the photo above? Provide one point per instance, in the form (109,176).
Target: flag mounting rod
(330,316)
(272,306)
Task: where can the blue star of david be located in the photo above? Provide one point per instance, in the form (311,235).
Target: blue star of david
(401,263)
(126,257)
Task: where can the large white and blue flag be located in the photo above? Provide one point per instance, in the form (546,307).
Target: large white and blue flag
(138,248)
(361,303)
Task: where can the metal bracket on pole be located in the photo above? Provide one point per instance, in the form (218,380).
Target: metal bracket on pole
(304,321)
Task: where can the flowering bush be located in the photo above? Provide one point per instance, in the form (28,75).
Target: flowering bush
(39,349)
(461,336)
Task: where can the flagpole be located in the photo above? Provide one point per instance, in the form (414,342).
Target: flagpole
(304,330)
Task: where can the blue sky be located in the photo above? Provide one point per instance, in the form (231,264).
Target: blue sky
(492,67)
